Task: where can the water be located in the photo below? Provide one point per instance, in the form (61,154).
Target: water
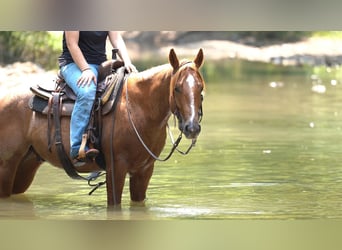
(269,149)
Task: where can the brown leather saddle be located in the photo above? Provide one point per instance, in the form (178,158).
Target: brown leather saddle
(55,99)
(108,77)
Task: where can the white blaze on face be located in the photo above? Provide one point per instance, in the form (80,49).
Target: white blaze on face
(191,83)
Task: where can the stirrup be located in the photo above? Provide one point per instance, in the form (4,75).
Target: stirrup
(92,153)
(78,162)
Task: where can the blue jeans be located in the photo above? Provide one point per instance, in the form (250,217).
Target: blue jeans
(85,98)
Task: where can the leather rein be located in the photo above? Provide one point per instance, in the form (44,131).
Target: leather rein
(173,142)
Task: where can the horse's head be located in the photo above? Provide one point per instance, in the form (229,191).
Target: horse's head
(186,96)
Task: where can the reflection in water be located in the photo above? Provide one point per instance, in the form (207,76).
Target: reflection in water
(266,150)
(17,207)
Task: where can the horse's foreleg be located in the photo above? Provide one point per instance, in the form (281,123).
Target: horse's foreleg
(26,172)
(114,185)
(138,184)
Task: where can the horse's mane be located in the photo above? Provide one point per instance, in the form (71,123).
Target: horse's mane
(148,73)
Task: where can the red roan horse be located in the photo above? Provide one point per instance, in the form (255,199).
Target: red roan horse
(147,101)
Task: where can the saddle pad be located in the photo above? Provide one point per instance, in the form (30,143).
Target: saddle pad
(41,105)
(38,104)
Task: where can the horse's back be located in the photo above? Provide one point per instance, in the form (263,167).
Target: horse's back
(15,117)
(14,112)
(13,98)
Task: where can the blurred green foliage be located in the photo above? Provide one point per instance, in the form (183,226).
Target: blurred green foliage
(44,47)
(262,37)
(328,34)
(40,47)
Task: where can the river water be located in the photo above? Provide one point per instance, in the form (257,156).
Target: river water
(269,149)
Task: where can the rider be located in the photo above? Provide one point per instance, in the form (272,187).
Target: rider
(83,52)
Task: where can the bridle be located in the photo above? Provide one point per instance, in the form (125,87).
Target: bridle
(174,143)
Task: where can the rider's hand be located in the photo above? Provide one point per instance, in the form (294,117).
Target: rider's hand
(130,68)
(86,78)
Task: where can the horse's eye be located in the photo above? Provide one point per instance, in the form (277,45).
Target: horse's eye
(202,94)
(177,89)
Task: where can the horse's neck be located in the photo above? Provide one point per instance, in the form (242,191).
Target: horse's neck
(154,91)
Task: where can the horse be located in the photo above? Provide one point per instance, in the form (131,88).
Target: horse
(130,141)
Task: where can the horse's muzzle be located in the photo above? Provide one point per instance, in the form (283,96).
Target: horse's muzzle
(191,130)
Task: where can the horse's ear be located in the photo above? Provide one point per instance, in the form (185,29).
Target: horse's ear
(199,58)
(173,60)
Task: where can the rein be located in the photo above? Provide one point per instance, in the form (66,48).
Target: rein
(174,143)
(193,143)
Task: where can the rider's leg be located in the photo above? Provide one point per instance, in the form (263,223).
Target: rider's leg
(85,98)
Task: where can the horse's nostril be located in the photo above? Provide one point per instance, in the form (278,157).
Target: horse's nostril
(192,128)
(189,128)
